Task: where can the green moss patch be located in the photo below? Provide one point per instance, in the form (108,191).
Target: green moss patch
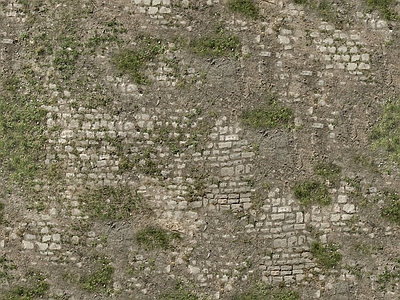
(312,192)
(326,255)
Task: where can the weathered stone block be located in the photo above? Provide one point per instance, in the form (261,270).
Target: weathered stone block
(280,243)
(27,245)
(227,171)
(42,246)
(280,216)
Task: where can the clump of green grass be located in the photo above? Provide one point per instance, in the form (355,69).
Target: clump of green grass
(385,133)
(326,255)
(1,212)
(218,44)
(36,287)
(101,279)
(179,291)
(321,7)
(267,292)
(312,192)
(386,7)
(329,171)
(111,203)
(273,116)
(67,56)
(22,138)
(6,265)
(146,164)
(133,61)
(156,238)
(389,276)
(391,211)
(367,162)
(244,7)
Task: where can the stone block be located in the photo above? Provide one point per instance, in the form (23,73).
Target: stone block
(299,277)
(236,207)
(277,279)
(364,66)
(223,145)
(299,217)
(46,238)
(239,169)
(227,171)
(285,209)
(292,241)
(335,217)
(280,243)
(247,206)
(42,246)
(289,279)
(193,269)
(365,57)
(30,237)
(277,216)
(346,217)
(56,237)
(342,198)
(283,40)
(275,273)
(27,245)
(299,226)
(351,66)
(349,208)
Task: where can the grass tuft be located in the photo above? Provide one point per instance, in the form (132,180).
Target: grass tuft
(245,7)
(133,61)
(156,238)
(328,171)
(22,139)
(312,192)
(100,280)
(266,292)
(385,7)
(111,203)
(35,287)
(391,211)
(385,133)
(178,292)
(219,44)
(274,116)
(327,256)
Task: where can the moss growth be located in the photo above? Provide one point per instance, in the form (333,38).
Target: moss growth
(274,116)
(178,291)
(385,133)
(322,7)
(1,212)
(101,279)
(22,140)
(35,287)
(218,44)
(391,277)
(386,8)
(111,203)
(327,256)
(312,192)
(6,265)
(133,61)
(67,56)
(244,7)
(266,292)
(329,172)
(391,211)
(156,238)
